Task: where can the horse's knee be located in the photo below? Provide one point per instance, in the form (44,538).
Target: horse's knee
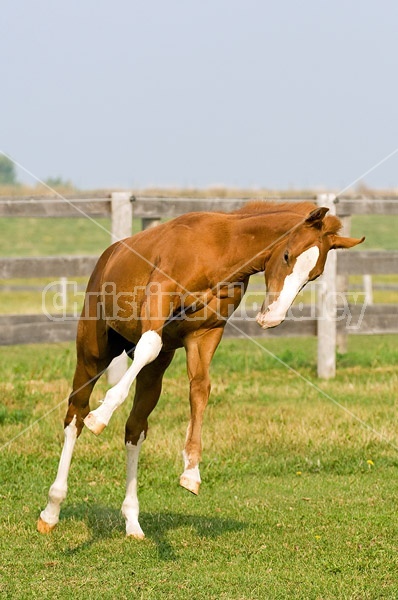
(134,430)
(80,412)
(133,438)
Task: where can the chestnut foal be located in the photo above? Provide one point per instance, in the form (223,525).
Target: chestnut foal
(173,286)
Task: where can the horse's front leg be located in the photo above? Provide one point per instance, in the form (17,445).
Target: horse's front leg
(200,351)
(147,392)
(147,349)
(155,311)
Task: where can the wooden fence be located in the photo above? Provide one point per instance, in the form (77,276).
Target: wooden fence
(328,321)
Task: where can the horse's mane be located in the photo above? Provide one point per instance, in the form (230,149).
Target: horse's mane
(259,207)
(331,224)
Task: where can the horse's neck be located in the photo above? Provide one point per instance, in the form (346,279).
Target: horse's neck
(253,237)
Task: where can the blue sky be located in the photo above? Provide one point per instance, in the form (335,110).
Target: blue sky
(178,93)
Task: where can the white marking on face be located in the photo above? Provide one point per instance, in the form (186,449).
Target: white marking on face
(293,283)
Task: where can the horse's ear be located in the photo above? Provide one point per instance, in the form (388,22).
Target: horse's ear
(344,242)
(315,218)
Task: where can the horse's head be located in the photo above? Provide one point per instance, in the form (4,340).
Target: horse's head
(299,257)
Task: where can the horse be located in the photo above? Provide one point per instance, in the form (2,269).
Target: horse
(175,286)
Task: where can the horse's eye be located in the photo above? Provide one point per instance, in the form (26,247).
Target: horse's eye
(286,257)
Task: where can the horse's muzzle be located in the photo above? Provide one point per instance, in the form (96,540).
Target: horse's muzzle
(266,319)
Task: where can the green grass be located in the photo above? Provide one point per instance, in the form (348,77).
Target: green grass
(379,231)
(51,237)
(298,498)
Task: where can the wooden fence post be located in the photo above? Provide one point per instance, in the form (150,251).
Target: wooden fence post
(63,290)
(121,215)
(368,289)
(122,227)
(327,305)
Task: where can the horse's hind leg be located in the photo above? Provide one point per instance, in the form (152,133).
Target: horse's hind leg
(50,515)
(88,370)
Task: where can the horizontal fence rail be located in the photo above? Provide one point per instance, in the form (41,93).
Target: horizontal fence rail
(367,206)
(168,208)
(47,266)
(55,208)
(367,262)
(375,319)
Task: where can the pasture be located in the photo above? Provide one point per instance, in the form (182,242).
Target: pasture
(298,498)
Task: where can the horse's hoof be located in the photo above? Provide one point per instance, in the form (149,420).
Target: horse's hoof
(43,527)
(134,531)
(94,424)
(190,484)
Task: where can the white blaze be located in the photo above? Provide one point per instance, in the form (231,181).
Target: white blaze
(293,283)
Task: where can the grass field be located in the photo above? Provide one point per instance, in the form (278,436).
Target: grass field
(299,488)
(298,497)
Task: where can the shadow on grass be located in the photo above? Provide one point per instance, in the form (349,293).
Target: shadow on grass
(105,522)
(157,526)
